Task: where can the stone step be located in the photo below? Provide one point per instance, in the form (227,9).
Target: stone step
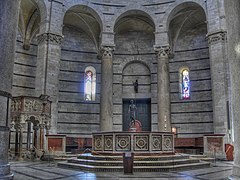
(136,157)
(142,162)
(136,168)
(202,158)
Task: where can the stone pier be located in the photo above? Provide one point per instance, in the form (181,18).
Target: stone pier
(233,14)
(8,25)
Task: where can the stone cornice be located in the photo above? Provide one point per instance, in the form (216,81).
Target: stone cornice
(163,51)
(5,94)
(49,37)
(217,36)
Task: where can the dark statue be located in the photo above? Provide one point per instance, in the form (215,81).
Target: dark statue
(135,84)
(132,111)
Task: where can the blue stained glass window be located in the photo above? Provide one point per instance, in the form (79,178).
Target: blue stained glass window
(185,84)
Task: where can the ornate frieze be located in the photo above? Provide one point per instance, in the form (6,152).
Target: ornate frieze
(49,37)
(156,142)
(32,105)
(123,142)
(107,51)
(108,146)
(215,37)
(115,142)
(168,143)
(16,104)
(97,143)
(141,142)
(33,109)
(163,51)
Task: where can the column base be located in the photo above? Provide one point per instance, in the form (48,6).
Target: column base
(236,171)
(5,172)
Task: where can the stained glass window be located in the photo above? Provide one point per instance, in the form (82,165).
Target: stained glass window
(90,84)
(184,84)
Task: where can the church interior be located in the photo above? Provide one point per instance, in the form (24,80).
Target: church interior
(104,80)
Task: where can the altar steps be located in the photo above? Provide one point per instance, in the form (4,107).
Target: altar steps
(141,163)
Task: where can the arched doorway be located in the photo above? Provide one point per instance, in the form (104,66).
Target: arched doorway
(140,94)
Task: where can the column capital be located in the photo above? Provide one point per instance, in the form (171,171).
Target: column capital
(107,50)
(49,37)
(163,51)
(18,126)
(217,36)
(41,126)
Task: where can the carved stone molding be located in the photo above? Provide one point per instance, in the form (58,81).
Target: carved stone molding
(163,51)
(16,105)
(36,110)
(215,37)
(98,143)
(107,51)
(49,37)
(156,142)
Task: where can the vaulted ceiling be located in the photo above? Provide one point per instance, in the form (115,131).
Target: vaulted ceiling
(29,19)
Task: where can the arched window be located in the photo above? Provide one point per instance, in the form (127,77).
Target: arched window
(184,83)
(90,84)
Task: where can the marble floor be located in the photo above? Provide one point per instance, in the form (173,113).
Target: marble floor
(39,170)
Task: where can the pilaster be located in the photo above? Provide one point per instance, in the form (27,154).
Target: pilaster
(217,49)
(48,64)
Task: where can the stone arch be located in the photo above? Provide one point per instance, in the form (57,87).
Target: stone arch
(124,65)
(86,6)
(32,14)
(136,71)
(42,8)
(137,27)
(132,10)
(92,26)
(176,7)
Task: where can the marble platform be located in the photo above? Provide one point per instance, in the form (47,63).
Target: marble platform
(39,170)
(164,163)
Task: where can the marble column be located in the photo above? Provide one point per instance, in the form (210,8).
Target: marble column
(35,135)
(20,142)
(29,126)
(41,136)
(233,24)
(8,26)
(106,122)
(217,50)
(48,64)
(164,122)
(16,144)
